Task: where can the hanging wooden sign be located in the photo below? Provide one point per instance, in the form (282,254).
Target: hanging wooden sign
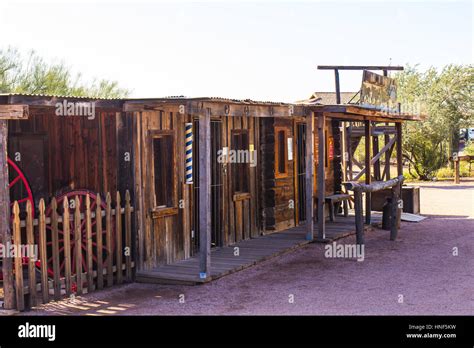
(13,112)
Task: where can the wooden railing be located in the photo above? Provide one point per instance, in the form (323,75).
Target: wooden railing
(81,248)
(359,188)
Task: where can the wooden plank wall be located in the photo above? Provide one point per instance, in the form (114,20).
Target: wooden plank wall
(166,239)
(276,192)
(79,153)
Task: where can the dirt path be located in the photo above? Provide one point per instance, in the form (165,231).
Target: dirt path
(420,266)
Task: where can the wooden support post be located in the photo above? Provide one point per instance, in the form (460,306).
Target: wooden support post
(456,171)
(5,232)
(398,127)
(394,213)
(321,175)
(368,200)
(205,194)
(359,218)
(349,151)
(338,89)
(375,145)
(310,175)
(387,157)
(344,150)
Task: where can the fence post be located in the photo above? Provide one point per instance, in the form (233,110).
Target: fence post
(108,237)
(55,248)
(42,252)
(67,246)
(78,245)
(118,238)
(128,237)
(88,217)
(20,300)
(359,217)
(99,249)
(30,240)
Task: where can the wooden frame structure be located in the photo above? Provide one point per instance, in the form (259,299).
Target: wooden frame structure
(209,213)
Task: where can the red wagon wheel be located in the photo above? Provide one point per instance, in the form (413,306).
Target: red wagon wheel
(71,196)
(19,183)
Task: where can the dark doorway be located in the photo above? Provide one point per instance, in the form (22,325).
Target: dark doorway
(216,185)
(301,171)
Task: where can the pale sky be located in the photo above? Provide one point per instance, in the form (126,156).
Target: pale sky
(263,50)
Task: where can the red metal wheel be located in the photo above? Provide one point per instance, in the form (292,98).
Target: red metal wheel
(19,183)
(70,196)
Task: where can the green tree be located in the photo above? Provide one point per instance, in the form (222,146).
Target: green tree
(32,75)
(446,98)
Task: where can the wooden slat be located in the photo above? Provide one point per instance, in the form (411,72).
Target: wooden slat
(30,240)
(128,238)
(238,220)
(108,238)
(118,238)
(5,232)
(55,249)
(368,177)
(99,242)
(20,300)
(246,219)
(321,177)
(89,255)
(67,247)
(78,245)
(309,176)
(43,256)
(205,193)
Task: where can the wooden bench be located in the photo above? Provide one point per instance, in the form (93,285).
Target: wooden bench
(336,199)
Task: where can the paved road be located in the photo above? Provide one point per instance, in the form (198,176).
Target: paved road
(420,266)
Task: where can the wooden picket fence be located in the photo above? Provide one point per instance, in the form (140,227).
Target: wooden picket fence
(95,240)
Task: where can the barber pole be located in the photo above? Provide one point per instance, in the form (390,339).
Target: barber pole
(189,153)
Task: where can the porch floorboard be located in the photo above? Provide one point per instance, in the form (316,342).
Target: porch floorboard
(251,252)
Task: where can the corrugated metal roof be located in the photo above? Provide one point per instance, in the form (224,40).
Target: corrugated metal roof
(182,97)
(328,98)
(56,96)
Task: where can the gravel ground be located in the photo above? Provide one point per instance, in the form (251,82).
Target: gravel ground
(420,266)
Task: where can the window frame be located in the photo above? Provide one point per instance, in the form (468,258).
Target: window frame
(240,132)
(155,134)
(285,131)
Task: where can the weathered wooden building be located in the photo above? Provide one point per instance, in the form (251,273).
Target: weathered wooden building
(198,175)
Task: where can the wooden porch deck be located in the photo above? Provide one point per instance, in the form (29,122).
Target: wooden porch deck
(251,252)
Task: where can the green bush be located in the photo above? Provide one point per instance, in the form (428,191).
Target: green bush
(445,173)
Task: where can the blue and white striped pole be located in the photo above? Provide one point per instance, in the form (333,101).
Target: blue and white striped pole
(189,153)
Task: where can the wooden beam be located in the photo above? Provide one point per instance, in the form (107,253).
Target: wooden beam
(321,175)
(13,112)
(374,158)
(398,127)
(338,90)
(5,232)
(205,194)
(359,67)
(386,173)
(309,175)
(368,200)
(376,162)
